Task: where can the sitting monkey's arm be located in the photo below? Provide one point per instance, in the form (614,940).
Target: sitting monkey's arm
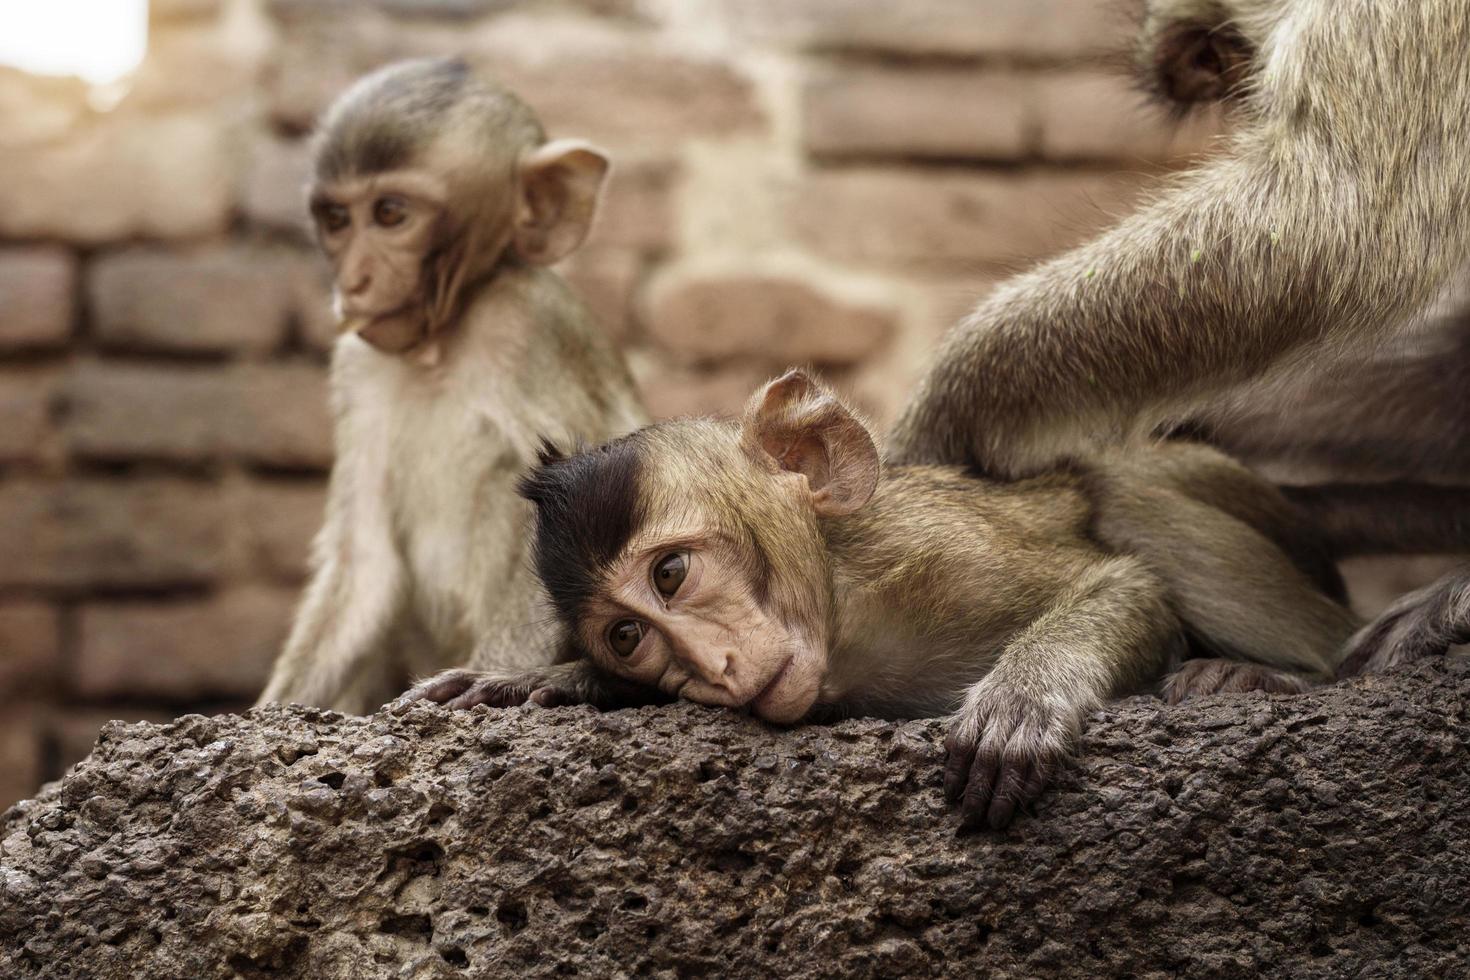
(356,589)
(1111,633)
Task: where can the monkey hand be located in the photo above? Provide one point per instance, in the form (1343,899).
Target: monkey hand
(1002,748)
(461,688)
(1425,623)
(553,686)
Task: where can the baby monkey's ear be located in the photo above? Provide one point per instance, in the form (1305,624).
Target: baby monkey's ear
(559,186)
(796,424)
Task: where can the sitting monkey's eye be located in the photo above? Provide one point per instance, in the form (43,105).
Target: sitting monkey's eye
(333,217)
(625,636)
(669,572)
(389,212)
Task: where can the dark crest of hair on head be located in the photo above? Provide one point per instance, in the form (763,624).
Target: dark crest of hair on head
(587,508)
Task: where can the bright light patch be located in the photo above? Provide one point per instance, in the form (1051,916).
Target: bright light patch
(98,40)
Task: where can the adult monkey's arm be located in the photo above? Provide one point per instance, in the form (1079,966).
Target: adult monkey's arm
(1340,207)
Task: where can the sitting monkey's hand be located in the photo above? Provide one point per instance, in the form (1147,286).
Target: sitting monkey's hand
(560,684)
(463,688)
(1003,746)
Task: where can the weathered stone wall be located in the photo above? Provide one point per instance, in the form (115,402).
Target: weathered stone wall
(823,181)
(1319,836)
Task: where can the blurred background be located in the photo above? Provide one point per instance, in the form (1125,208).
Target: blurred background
(829,182)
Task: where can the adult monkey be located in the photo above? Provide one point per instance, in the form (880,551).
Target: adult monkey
(1339,211)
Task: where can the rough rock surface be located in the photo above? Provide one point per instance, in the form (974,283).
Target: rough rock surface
(1315,836)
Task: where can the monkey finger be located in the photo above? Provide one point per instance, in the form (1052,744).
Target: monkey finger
(1010,791)
(959,756)
(441,688)
(551,697)
(491,693)
(980,790)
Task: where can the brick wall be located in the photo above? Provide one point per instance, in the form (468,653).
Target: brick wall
(822,181)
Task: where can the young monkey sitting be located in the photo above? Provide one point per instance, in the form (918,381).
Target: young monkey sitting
(776,565)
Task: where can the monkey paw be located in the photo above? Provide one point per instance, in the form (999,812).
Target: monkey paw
(1425,623)
(1002,749)
(463,689)
(1217,675)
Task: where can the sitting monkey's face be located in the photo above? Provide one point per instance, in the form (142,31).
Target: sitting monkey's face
(425,180)
(687,556)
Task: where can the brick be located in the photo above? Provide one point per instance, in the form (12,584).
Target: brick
(21,750)
(1029,28)
(649,91)
(26,402)
(120,412)
(196,66)
(278,521)
(283,417)
(182,651)
(274,192)
(1099,115)
(318,57)
(274,414)
(605,279)
(95,533)
(923,218)
(638,210)
(871,111)
(706,315)
(36,289)
(171,10)
(121,176)
(311,294)
(670,391)
(462,9)
(40,109)
(218,300)
(30,648)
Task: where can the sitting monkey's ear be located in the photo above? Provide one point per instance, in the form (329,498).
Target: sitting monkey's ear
(797,425)
(559,186)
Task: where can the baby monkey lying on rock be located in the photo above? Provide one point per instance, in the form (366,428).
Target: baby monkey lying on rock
(775,564)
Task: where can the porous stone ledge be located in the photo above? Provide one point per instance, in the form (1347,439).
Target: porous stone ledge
(1314,836)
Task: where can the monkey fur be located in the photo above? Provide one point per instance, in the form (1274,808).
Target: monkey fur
(776,565)
(1336,214)
(440,202)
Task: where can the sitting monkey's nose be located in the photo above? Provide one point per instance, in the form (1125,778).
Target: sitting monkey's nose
(359,283)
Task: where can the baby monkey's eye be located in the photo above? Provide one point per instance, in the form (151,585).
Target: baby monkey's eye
(669,572)
(333,217)
(389,212)
(625,636)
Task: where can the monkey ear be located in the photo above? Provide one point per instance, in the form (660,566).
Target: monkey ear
(559,186)
(795,424)
(1199,62)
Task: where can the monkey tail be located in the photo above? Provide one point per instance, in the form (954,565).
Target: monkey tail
(1387,518)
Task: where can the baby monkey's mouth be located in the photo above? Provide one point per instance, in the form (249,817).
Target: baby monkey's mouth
(756,703)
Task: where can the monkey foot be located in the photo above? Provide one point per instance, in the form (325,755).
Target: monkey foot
(1425,623)
(1000,756)
(1218,675)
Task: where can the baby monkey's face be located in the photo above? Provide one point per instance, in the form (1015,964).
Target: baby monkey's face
(687,556)
(684,610)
